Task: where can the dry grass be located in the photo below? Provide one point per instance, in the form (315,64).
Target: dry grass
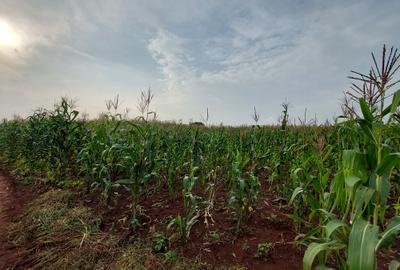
(60,235)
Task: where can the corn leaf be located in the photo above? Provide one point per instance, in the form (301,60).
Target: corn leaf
(393,106)
(389,235)
(362,241)
(389,161)
(351,183)
(362,197)
(296,192)
(314,249)
(332,226)
(365,110)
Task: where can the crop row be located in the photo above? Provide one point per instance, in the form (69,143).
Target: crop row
(342,181)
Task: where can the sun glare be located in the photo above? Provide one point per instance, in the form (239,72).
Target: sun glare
(9,39)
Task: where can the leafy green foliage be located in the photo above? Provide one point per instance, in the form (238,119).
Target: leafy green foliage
(245,188)
(359,192)
(264,250)
(171,256)
(160,243)
(184,224)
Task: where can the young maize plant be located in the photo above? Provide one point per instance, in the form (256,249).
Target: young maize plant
(244,191)
(359,194)
(141,163)
(183,224)
(100,158)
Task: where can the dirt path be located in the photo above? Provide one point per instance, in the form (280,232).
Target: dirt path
(11,203)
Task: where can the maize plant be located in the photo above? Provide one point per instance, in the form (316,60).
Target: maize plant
(244,191)
(359,193)
(183,224)
(141,163)
(100,158)
(360,242)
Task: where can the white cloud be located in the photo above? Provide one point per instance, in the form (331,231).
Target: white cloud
(169,51)
(196,54)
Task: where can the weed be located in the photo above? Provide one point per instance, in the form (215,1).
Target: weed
(160,243)
(264,250)
(171,257)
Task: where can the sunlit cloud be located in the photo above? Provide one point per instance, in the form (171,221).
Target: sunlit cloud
(11,42)
(9,39)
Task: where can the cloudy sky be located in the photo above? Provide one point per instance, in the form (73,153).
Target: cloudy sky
(227,55)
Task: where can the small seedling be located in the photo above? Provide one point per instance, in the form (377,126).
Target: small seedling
(171,256)
(263,250)
(160,243)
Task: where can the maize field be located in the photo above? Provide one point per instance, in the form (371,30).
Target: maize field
(257,196)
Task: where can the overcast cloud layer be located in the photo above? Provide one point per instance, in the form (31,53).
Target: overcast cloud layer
(225,55)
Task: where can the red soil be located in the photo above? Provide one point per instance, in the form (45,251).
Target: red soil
(12,200)
(267,224)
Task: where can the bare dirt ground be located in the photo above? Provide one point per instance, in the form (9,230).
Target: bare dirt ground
(12,200)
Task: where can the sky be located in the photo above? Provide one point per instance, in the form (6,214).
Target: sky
(225,55)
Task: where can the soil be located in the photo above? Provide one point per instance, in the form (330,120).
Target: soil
(12,201)
(216,243)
